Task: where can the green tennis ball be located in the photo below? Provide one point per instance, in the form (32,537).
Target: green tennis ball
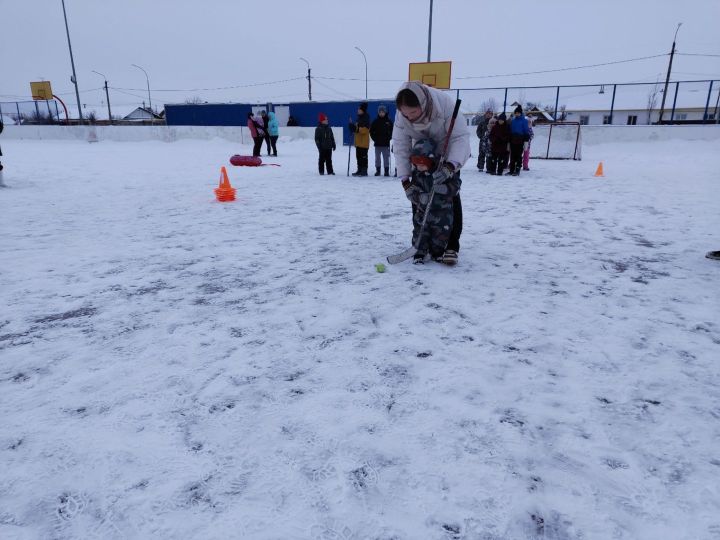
(380,267)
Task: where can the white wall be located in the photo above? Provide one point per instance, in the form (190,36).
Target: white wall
(615,133)
(153,133)
(590,134)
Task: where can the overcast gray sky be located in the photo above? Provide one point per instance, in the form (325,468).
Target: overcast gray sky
(188,45)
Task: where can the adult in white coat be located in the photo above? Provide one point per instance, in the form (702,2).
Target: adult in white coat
(426,113)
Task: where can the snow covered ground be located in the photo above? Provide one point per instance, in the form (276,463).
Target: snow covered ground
(174,367)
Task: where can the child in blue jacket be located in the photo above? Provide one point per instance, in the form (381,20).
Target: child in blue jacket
(519,135)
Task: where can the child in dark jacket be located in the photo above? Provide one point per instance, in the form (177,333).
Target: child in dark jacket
(325,142)
(439,223)
(381,134)
(499,141)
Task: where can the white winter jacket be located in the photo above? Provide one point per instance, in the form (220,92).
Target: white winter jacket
(434,127)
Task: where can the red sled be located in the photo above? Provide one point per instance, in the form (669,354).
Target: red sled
(245,161)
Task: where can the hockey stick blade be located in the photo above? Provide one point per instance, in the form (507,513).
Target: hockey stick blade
(400,257)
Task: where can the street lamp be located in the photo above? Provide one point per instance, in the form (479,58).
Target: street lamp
(365,57)
(309,79)
(107,95)
(148,83)
(72,62)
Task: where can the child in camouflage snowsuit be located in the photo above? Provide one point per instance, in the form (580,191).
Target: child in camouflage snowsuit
(418,190)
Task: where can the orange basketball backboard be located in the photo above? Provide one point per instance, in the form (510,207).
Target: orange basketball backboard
(41,90)
(435,74)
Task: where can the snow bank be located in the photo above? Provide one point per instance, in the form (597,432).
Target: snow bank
(151,133)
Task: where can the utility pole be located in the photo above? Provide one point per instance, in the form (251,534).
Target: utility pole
(430,30)
(309,78)
(667,79)
(72,62)
(107,95)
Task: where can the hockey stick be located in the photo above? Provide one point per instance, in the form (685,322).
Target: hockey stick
(409,252)
(349,150)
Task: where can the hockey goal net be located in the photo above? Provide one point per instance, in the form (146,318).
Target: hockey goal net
(558,140)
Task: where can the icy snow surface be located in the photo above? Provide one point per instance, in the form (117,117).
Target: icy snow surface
(174,367)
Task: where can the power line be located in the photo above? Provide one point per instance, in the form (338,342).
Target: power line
(510,74)
(212,89)
(698,54)
(336,91)
(567,68)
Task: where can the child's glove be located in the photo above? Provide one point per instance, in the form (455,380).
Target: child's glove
(443,174)
(411,190)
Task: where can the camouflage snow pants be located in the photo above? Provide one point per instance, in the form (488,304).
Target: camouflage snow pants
(439,224)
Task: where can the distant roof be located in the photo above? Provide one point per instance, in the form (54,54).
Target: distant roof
(143,113)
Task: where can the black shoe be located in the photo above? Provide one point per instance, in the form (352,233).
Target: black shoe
(356,173)
(377,171)
(322,173)
(419,258)
(332,172)
(387,171)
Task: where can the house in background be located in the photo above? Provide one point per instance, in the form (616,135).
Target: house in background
(145,114)
(637,116)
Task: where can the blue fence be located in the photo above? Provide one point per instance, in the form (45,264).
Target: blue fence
(306,114)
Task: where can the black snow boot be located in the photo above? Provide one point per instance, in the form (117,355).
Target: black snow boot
(387,171)
(377,171)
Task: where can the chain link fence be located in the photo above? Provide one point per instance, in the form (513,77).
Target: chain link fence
(30,112)
(685,102)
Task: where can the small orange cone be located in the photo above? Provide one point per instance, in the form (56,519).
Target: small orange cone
(599,171)
(224,192)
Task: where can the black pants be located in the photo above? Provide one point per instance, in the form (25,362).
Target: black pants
(257,145)
(454,240)
(361,154)
(273,143)
(497,162)
(267,142)
(482,156)
(325,160)
(516,151)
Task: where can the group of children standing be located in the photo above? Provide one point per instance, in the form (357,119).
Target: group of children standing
(264,129)
(503,141)
(380,131)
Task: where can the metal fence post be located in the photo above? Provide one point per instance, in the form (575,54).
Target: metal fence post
(707,103)
(612,104)
(672,114)
(505,100)
(17,105)
(557,100)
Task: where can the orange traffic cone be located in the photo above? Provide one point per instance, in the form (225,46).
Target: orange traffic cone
(224,192)
(599,171)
